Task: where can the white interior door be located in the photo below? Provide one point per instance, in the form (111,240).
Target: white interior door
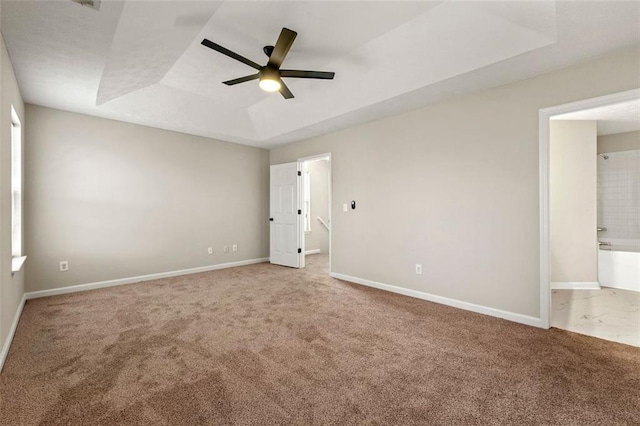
(284,215)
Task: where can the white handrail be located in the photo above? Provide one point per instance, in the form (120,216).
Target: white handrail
(324,223)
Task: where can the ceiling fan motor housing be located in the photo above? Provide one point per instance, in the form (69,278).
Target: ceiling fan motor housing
(268,50)
(268,73)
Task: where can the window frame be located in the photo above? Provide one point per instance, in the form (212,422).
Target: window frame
(17,190)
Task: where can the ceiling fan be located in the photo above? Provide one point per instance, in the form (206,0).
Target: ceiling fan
(270,75)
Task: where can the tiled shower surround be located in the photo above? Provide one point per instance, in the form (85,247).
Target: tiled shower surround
(619,195)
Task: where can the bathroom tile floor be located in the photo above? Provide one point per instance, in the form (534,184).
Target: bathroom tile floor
(608,313)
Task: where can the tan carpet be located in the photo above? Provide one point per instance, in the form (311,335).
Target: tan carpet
(263,344)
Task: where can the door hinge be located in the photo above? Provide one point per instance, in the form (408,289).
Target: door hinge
(299,173)
(299,250)
(299,211)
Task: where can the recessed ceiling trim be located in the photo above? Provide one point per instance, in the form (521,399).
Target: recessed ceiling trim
(145,61)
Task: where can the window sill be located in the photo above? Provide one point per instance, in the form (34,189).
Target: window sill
(17,263)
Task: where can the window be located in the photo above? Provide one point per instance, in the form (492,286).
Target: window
(307,202)
(16,192)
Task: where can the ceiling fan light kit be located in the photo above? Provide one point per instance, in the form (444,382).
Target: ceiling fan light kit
(270,75)
(269,80)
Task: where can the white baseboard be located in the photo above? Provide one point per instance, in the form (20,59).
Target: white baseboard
(635,288)
(580,285)
(314,251)
(132,280)
(14,325)
(511,316)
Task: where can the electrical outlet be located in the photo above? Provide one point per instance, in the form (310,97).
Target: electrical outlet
(234,247)
(226,249)
(64,266)
(418,269)
(210,250)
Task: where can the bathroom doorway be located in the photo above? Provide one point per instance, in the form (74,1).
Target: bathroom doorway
(316,213)
(590,217)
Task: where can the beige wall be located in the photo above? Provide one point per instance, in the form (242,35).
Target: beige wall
(119,200)
(318,238)
(573,182)
(454,186)
(619,142)
(11,286)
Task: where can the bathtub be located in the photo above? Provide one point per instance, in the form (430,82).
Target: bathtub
(619,266)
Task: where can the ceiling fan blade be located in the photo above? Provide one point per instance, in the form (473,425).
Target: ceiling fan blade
(323,75)
(284,90)
(227,52)
(280,50)
(241,79)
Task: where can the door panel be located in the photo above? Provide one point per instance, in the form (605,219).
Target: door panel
(285,226)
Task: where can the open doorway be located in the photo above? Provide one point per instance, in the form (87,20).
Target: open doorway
(315,199)
(590,217)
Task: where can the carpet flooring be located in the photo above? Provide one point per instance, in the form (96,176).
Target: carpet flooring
(263,344)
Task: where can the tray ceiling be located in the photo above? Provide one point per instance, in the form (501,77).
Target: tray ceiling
(142,62)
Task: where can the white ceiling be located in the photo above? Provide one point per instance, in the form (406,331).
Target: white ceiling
(615,118)
(142,61)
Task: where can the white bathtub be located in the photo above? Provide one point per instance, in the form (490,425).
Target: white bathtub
(619,267)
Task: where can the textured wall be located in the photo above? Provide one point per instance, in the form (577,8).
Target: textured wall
(119,200)
(619,188)
(619,196)
(454,186)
